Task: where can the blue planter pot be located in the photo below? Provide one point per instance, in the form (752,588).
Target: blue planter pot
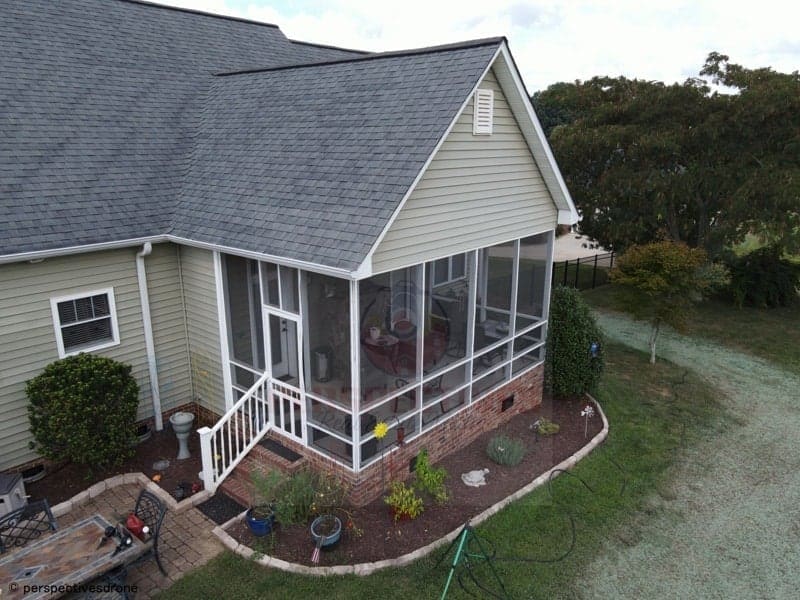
(259,527)
(322,526)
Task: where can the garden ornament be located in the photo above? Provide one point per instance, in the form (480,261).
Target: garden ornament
(475,478)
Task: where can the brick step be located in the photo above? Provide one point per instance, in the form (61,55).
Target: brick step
(268,455)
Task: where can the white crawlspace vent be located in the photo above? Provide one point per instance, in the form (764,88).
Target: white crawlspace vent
(484,109)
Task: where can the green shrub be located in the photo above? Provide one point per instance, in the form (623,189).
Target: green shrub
(505,450)
(404,501)
(546,427)
(83,409)
(296,498)
(430,479)
(570,369)
(763,279)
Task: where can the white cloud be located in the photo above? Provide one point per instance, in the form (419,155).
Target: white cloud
(551,40)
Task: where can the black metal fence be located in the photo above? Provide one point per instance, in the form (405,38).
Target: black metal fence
(583,273)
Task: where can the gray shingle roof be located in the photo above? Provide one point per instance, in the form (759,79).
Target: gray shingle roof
(113,126)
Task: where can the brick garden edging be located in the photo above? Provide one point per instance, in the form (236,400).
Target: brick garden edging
(98,488)
(368,568)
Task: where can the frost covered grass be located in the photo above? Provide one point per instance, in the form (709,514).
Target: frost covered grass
(772,334)
(723,524)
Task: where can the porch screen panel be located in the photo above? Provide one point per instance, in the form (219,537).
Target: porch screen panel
(447,285)
(245,332)
(493,310)
(327,338)
(533,254)
(390,307)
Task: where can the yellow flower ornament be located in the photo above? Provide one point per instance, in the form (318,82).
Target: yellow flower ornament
(380,430)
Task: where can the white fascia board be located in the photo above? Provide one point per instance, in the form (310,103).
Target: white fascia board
(534,135)
(279,260)
(156,239)
(37,255)
(425,166)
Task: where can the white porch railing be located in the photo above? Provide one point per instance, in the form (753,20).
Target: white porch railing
(224,445)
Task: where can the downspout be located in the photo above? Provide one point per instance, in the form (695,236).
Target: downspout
(147,325)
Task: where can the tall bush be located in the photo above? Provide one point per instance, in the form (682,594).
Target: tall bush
(83,409)
(570,367)
(762,278)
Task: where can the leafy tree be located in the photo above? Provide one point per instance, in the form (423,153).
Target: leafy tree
(83,408)
(646,161)
(661,281)
(571,367)
(637,157)
(761,137)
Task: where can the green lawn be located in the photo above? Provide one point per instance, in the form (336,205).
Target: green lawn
(653,416)
(769,333)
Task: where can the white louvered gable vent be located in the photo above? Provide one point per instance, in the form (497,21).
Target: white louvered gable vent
(484,109)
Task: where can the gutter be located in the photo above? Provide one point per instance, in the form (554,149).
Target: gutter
(147,325)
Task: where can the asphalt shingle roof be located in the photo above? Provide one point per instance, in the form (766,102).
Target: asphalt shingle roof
(114,126)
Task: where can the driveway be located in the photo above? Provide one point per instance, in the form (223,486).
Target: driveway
(728,526)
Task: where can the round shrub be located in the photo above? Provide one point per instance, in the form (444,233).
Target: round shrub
(571,368)
(763,279)
(83,409)
(505,450)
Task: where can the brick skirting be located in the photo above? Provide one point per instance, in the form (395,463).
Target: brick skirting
(447,437)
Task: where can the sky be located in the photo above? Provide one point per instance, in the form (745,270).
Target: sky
(551,40)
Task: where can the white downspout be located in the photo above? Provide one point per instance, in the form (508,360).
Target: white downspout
(147,325)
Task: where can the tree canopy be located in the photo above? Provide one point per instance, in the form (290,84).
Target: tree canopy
(646,161)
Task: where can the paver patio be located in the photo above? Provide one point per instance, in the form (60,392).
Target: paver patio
(186,539)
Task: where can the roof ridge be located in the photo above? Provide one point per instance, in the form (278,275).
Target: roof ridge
(391,54)
(330,47)
(203,13)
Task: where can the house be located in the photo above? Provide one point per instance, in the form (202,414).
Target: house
(276,235)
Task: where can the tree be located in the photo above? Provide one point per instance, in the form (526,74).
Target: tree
(661,281)
(646,161)
(762,140)
(574,360)
(637,158)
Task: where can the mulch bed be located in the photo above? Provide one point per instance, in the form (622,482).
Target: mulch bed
(64,481)
(383,538)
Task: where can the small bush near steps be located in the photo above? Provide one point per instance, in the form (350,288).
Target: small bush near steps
(505,450)
(83,409)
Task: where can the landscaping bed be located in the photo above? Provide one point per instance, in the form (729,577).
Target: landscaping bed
(62,482)
(384,538)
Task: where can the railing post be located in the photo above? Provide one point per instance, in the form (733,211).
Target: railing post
(566,268)
(577,272)
(594,272)
(208,459)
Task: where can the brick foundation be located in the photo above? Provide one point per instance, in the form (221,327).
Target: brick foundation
(447,437)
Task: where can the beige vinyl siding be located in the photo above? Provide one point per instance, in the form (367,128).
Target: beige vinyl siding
(28,339)
(202,324)
(477,190)
(168,318)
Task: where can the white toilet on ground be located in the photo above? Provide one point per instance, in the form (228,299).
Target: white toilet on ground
(182,426)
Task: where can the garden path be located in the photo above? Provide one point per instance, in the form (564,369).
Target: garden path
(728,523)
